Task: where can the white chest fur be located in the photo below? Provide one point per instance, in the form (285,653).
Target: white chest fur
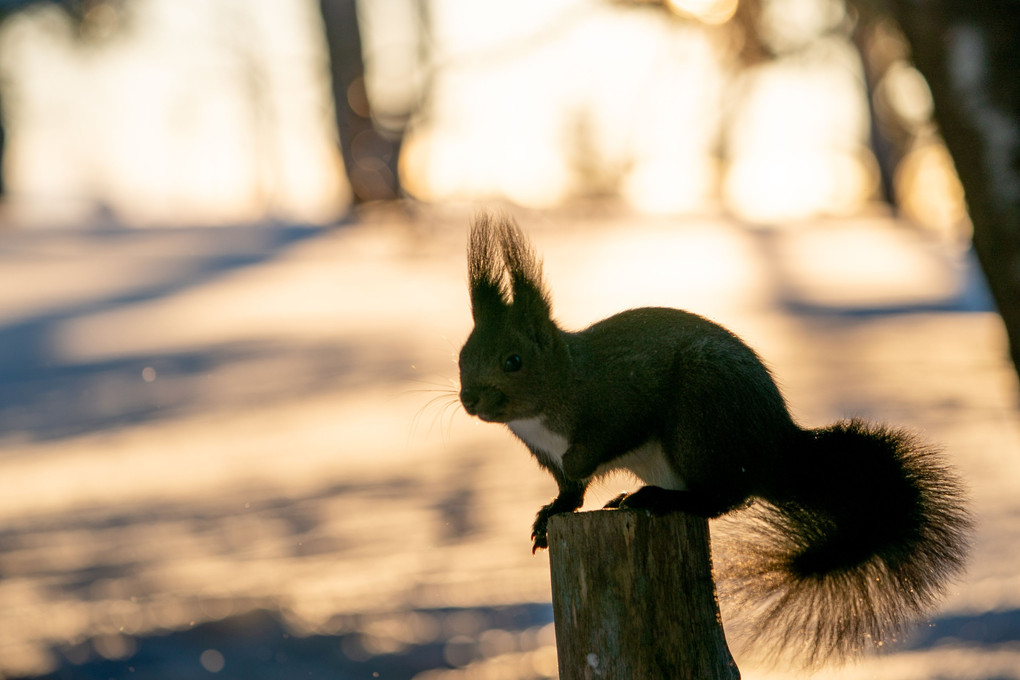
(647,462)
(534,432)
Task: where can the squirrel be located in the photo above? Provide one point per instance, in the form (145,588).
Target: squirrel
(856,529)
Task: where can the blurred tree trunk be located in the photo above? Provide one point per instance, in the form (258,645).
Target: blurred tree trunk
(3,139)
(4,14)
(370,159)
(970,54)
(874,65)
(746,20)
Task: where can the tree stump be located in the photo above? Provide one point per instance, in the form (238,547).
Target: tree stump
(633,598)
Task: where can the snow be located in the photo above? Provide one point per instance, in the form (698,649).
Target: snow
(199,423)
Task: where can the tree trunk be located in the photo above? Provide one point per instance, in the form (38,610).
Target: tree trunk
(3,187)
(633,597)
(970,54)
(370,159)
(3,133)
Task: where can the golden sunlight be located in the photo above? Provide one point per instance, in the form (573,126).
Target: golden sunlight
(708,11)
(199,425)
(581,99)
(930,192)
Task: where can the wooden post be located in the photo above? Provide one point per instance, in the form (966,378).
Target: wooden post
(633,597)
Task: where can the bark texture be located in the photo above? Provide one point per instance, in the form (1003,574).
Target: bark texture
(633,597)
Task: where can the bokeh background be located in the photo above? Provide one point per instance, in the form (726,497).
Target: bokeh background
(232,261)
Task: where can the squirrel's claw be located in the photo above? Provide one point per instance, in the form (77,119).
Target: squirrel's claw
(567,501)
(539,533)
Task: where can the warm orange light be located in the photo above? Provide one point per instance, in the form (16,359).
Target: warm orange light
(788,186)
(708,11)
(930,193)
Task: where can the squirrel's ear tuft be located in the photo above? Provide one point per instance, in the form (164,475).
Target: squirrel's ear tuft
(530,299)
(504,273)
(486,279)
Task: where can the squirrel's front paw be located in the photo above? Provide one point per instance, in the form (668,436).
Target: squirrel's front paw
(569,500)
(539,532)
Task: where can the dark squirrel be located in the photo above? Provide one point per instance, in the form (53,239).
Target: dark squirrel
(855,529)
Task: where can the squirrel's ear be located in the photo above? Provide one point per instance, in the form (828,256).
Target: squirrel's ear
(531,302)
(505,274)
(485,269)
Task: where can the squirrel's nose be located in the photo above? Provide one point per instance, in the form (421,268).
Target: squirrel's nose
(470,398)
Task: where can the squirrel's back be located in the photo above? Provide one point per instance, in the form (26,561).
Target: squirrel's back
(704,392)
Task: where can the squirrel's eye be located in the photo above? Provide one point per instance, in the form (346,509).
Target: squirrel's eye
(512,363)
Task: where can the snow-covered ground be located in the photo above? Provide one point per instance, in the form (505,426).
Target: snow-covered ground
(198,424)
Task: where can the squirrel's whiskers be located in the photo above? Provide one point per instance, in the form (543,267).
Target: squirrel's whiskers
(443,406)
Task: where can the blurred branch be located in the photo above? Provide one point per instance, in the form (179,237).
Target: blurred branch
(3,140)
(746,21)
(12,6)
(875,64)
(82,12)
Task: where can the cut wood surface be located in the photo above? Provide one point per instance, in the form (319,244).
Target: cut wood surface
(633,597)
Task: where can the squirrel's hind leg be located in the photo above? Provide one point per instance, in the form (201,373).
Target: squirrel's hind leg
(659,501)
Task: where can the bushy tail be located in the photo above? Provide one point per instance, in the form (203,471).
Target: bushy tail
(863,536)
